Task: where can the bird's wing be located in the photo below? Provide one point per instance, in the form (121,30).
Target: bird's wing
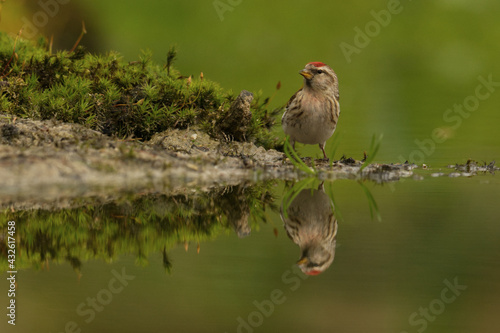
(292,104)
(290,101)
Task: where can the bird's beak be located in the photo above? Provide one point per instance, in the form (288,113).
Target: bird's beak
(305,73)
(302,261)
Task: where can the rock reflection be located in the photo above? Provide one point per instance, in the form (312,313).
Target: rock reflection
(309,219)
(142,224)
(234,201)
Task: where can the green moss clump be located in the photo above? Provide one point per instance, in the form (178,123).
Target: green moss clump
(125,99)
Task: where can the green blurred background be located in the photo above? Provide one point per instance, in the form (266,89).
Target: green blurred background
(423,62)
(420,62)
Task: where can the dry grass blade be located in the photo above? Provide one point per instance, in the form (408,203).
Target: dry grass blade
(372,152)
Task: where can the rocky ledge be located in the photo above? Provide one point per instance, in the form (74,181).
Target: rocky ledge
(50,158)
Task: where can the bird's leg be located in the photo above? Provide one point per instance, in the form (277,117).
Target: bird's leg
(322,146)
(292,143)
(321,186)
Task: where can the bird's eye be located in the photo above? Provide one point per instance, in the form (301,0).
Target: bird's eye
(320,71)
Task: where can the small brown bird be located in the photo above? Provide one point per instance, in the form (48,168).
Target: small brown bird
(310,223)
(312,113)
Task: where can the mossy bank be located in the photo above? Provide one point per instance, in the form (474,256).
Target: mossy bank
(133,100)
(74,118)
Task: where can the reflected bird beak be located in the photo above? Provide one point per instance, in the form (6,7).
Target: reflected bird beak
(302,261)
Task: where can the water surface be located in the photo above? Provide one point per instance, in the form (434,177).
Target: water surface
(227,264)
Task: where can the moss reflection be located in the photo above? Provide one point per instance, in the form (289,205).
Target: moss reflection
(141,225)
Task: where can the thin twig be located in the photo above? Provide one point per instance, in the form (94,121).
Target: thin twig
(50,44)
(84,31)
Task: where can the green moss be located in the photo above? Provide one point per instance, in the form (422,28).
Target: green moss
(125,99)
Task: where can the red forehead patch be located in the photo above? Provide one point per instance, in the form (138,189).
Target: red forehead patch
(317,64)
(313,272)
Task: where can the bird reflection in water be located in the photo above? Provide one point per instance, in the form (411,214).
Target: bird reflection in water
(310,222)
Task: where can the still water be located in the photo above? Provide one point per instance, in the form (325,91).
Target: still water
(408,256)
